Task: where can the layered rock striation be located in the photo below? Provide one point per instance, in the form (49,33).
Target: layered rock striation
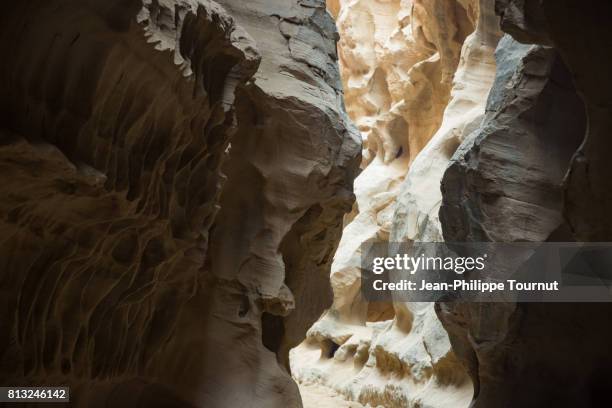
(168,214)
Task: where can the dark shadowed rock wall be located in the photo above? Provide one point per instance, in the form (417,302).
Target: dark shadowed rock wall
(537,169)
(581,33)
(135,265)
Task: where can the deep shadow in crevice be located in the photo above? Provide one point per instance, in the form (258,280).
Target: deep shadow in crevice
(272,331)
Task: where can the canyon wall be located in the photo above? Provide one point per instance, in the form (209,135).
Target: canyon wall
(416,76)
(536,170)
(168,213)
(518,146)
(177,175)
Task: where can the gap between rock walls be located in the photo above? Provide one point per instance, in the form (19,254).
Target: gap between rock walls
(485,100)
(187,185)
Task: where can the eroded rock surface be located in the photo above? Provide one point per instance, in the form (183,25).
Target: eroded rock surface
(589,189)
(506,183)
(524,171)
(413,87)
(120,277)
(290,176)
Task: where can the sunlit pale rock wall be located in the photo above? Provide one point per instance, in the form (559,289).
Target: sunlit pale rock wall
(168,215)
(416,76)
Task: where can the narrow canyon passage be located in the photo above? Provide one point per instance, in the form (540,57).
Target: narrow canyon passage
(443,97)
(187,187)
(416,78)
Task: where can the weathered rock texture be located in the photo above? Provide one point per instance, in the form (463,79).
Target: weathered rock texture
(529,174)
(414,87)
(119,275)
(416,213)
(290,174)
(588,193)
(504,184)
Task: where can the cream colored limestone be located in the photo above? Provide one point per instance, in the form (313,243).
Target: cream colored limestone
(416,77)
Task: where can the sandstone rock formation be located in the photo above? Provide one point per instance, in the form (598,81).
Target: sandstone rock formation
(120,276)
(413,87)
(528,173)
(175,175)
(524,171)
(288,186)
(416,213)
(589,189)
(504,184)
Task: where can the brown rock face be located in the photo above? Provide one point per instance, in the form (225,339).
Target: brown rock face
(290,176)
(508,173)
(119,275)
(529,174)
(585,50)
